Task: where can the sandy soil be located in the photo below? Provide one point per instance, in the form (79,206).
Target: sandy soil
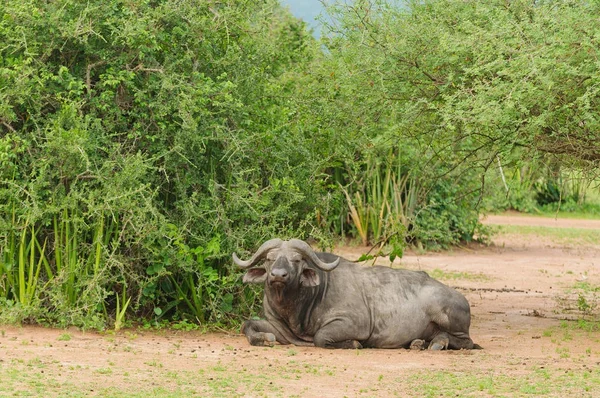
(520,290)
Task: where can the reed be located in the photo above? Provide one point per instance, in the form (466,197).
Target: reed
(7,260)
(67,253)
(30,263)
(22,259)
(359,215)
(384,201)
(121,309)
(63,263)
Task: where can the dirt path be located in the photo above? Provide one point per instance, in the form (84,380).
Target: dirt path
(520,290)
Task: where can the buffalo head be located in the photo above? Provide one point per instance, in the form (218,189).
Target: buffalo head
(287,263)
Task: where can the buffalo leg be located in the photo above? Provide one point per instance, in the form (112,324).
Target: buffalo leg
(453,326)
(439,342)
(417,344)
(460,340)
(262,333)
(333,336)
(453,341)
(344,344)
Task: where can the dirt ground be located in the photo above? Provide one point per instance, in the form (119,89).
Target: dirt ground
(521,289)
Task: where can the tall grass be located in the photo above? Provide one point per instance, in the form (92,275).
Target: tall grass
(30,264)
(20,263)
(38,262)
(121,309)
(384,202)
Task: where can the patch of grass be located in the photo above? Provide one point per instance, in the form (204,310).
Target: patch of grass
(455,275)
(558,235)
(23,378)
(219,368)
(563,352)
(64,337)
(185,326)
(104,371)
(35,362)
(154,364)
(582,299)
(589,211)
(586,287)
(534,382)
(581,324)
(584,305)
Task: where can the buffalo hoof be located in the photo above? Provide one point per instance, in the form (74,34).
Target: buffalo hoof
(417,344)
(439,343)
(262,339)
(269,339)
(356,344)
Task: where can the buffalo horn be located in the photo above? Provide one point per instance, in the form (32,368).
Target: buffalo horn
(305,249)
(259,255)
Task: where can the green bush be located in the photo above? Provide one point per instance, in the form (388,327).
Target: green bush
(449,216)
(142,142)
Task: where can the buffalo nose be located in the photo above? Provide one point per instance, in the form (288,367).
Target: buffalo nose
(278,272)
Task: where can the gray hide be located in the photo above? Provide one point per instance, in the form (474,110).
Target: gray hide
(320,299)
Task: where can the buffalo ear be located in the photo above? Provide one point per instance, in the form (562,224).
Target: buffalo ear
(309,277)
(255,275)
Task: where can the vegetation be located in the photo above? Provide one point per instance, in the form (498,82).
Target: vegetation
(534,382)
(574,236)
(141,145)
(142,142)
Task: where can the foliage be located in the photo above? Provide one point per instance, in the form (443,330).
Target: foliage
(513,187)
(544,188)
(464,88)
(141,143)
(383,205)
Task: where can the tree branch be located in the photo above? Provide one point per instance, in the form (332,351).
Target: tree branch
(88,79)
(8,126)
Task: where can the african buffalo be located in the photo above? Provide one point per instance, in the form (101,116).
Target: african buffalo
(313,298)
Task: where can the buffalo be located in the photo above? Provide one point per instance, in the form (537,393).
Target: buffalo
(319,299)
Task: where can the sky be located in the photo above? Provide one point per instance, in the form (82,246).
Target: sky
(307,10)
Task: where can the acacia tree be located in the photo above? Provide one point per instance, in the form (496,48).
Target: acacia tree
(495,75)
(458,86)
